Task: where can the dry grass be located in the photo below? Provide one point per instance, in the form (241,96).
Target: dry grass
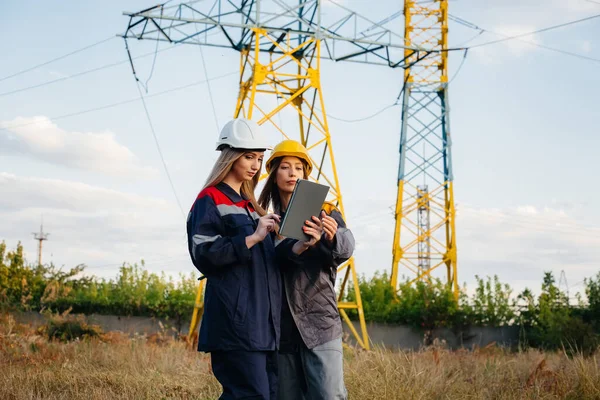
(117,367)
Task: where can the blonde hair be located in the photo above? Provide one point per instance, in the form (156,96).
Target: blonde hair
(270,192)
(223,166)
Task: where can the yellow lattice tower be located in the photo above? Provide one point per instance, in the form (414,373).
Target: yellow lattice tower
(425,235)
(292,76)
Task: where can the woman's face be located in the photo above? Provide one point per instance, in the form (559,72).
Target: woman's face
(289,171)
(248,165)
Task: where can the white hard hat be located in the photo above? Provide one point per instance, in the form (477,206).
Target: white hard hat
(241,133)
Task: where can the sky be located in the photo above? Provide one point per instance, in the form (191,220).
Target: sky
(523,120)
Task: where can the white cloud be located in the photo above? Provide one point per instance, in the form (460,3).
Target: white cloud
(517,47)
(525,241)
(42,140)
(527,210)
(577,6)
(586,46)
(20,193)
(517,243)
(92,225)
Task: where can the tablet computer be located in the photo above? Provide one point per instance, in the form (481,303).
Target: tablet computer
(307,200)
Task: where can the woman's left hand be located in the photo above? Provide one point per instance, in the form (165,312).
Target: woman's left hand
(330,226)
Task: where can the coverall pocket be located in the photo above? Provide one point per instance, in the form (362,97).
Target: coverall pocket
(241,308)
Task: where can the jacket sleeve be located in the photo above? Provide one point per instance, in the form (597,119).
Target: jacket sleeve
(343,243)
(210,249)
(284,253)
(342,247)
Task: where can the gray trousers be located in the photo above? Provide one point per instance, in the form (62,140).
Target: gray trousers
(313,374)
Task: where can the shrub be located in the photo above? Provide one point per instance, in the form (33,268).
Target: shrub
(66,328)
(551,324)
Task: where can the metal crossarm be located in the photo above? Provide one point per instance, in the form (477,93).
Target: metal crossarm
(223,23)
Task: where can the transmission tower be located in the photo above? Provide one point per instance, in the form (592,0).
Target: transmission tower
(281,44)
(40,237)
(424,235)
(562,283)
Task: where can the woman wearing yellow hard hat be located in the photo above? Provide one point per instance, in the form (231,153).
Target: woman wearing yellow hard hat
(310,353)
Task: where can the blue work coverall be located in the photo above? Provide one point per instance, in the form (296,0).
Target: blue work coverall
(242,306)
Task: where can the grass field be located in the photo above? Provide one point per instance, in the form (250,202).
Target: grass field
(156,367)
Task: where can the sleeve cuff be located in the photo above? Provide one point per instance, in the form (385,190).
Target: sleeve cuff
(325,248)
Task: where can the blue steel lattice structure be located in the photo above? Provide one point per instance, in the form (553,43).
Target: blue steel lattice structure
(425,234)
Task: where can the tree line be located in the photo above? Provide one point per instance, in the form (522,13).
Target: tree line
(549,320)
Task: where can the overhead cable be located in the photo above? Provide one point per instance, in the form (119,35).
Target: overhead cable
(151,125)
(507,37)
(89,71)
(57,58)
(536,31)
(120,103)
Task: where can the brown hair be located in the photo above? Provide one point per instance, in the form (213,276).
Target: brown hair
(223,166)
(269,196)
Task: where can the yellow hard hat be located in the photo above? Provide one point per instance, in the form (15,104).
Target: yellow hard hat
(289,148)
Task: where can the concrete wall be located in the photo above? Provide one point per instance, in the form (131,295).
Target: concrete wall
(130,325)
(409,338)
(389,336)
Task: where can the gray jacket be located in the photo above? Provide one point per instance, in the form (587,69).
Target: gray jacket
(309,281)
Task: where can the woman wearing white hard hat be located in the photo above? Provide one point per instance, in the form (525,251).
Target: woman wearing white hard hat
(310,353)
(230,243)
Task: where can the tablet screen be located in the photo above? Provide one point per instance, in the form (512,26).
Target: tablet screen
(307,200)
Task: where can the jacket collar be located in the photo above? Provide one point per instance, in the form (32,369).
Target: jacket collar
(229,192)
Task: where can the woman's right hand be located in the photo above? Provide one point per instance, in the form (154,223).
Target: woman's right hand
(266,224)
(314,229)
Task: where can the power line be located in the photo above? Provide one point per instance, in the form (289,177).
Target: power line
(120,103)
(153,63)
(64,78)
(361,119)
(89,71)
(536,31)
(539,226)
(396,103)
(210,96)
(507,37)
(57,58)
(462,62)
(162,158)
(162,259)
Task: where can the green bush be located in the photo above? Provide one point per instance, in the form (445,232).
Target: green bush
(551,323)
(66,328)
(492,304)
(548,321)
(135,291)
(25,286)
(424,305)
(591,313)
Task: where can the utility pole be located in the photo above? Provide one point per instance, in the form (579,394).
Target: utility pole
(40,237)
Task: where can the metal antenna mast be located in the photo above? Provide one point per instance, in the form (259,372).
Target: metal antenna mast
(40,237)
(281,44)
